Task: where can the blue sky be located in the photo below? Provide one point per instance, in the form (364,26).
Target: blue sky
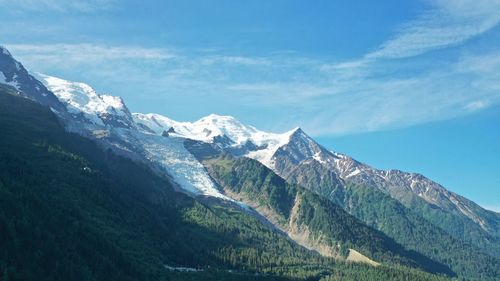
(413,85)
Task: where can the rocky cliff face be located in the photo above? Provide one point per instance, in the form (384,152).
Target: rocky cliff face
(14,74)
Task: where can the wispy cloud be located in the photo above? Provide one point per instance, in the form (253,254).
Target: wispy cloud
(477,105)
(323,98)
(436,93)
(76,54)
(241,60)
(84,6)
(377,91)
(448,23)
(361,98)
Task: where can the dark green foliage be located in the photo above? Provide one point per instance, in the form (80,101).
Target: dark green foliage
(350,273)
(341,272)
(217,275)
(256,183)
(405,225)
(388,215)
(459,226)
(69,211)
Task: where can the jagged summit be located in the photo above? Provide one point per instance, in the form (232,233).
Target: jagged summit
(226,131)
(211,126)
(81,98)
(14,74)
(297,130)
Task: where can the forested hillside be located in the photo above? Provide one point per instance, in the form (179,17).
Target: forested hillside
(414,232)
(70,211)
(293,207)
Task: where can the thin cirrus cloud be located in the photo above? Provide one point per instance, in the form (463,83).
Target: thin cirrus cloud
(84,6)
(323,102)
(334,105)
(320,101)
(448,23)
(378,91)
(372,96)
(373,104)
(75,54)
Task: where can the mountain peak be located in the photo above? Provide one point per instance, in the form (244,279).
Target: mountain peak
(296,132)
(13,73)
(214,116)
(298,135)
(79,97)
(221,122)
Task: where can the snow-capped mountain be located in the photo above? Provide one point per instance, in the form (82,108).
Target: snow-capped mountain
(108,121)
(302,150)
(285,153)
(161,143)
(80,99)
(225,132)
(399,184)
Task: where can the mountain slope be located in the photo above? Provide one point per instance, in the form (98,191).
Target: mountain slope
(456,215)
(413,189)
(287,154)
(283,153)
(303,161)
(97,116)
(401,186)
(388,215)
(70,211)
(312,221)
(106,121)
(88,213)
